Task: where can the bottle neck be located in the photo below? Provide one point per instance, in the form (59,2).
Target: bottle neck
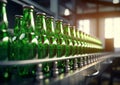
(50,25)
(3,17)
(59,27)
(28,20)
(18,24)
(74,32)
(77,34)
(40,24)
(69,34)
(67,30)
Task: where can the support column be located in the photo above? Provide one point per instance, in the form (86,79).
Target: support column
(74,13)
(54,7)
(97,26)
(97,20)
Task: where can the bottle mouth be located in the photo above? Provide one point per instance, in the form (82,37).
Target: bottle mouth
(27,6)
(3,1)
(50,17)
(66,24)
(39,13)
(20,16)
(60,20)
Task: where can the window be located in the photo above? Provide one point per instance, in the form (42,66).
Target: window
(112,30)
(84,25)
(109,32)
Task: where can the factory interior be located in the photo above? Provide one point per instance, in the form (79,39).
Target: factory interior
(83,46)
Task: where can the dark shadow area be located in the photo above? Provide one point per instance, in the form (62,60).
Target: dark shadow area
(110,76)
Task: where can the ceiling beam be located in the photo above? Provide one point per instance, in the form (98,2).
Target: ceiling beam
(105,3)
(98,15)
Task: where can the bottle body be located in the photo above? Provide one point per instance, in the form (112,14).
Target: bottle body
(60,45)
(74,40)
(51,36)
(43,42)
(24,43)
(68,40)
(4,39)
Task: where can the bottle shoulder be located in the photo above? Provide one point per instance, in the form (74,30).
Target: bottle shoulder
(3,25)
(4,35)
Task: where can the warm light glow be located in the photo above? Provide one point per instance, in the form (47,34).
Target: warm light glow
(84,25)
(109,32)
(67,12)
(117,32)
(115,1)
(112,30)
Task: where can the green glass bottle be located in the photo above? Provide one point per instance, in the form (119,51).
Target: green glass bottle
(91,44)
(43,41)
(69,44)
(27,42)
(79,41)
(43,46)
(74,40)
(82,42)
(51,36)
(88,45)
(60,44)
(78,35)
(52,42)
(60,40)
(28,36)
(18,24)
(96,45)
(13,46)
(100,46)
(85,43)
(68,40)
(4,38)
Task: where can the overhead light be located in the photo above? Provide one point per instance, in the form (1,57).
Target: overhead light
(67,12)
(115,1)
